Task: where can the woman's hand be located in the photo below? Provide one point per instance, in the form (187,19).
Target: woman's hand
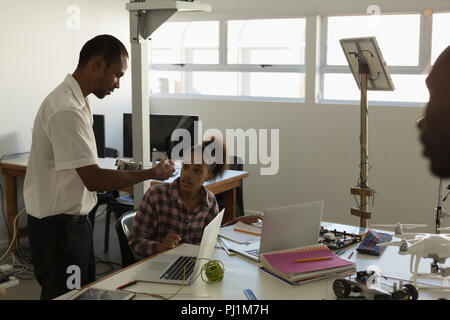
(170,241)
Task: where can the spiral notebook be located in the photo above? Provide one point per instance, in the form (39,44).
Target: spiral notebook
(316,260)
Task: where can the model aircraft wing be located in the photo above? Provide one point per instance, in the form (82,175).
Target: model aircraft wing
(390,244)
(408,236)
(413,226)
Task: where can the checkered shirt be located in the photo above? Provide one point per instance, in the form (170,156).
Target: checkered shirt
(162,211)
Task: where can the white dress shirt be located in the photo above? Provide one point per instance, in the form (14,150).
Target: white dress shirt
(63,140)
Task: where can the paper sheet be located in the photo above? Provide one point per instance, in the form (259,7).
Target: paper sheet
(238,236)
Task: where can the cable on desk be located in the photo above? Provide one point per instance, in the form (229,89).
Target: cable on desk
(1,189)
(17,268)
(213,269)
(14,234)
(3,211)
(108,263)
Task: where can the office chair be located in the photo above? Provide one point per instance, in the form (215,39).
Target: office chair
(111,152)
(235,165)
(123,228)
(118,206)
(114,204)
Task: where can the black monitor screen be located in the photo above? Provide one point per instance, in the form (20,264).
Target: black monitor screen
(99,133)
(161,129)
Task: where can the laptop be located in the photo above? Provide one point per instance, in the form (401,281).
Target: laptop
(172,268)
(284,228)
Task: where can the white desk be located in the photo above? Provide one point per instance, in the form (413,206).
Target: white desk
(242,273)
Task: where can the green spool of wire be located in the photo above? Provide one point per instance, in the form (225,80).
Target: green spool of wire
(214,271)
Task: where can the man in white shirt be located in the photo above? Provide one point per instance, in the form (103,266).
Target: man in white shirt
(63,175)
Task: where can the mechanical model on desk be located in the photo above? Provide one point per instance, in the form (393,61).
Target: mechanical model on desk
(128,165)
(366,285)
(335,240)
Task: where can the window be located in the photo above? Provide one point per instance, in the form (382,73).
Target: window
(236,58)
(266,41)
(401,48)
(441,36)
(178,43)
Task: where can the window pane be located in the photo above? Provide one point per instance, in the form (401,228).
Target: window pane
(166,82)
(441,35)
(186,42)
(253,84)
(274,41)
(286,85)
(399,47)
(408,88)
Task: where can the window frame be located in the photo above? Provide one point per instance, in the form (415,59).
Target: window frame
(431,31)
(314,67)
(223,66)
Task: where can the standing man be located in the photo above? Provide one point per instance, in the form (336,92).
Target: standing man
(63,175)
(435,124)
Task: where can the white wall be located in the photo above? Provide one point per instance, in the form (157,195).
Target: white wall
(319,146)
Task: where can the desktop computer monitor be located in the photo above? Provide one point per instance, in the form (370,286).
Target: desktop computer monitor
(99,133)
(161,129)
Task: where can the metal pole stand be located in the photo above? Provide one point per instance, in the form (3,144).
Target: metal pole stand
(439,211)
(363,190)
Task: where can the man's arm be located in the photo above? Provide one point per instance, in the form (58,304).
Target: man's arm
(98,179)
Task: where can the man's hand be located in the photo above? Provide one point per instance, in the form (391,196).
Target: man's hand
(245,219)
(170,241)
(164,170)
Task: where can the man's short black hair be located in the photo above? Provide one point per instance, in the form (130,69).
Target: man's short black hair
(105,45)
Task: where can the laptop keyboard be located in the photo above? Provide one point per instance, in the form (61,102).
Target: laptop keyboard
(176,270)
(254,252)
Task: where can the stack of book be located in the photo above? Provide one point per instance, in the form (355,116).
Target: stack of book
(307,264)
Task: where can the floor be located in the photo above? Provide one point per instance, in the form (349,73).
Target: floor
(30,289)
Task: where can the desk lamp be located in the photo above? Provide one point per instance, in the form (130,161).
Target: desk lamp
(145,18)
(370,72)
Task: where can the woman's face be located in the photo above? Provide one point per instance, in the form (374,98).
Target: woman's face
(192,175)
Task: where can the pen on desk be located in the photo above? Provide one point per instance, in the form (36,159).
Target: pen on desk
(313,259)
(351,254)
(224,246)
(249,294)
(126,285)
(245,231)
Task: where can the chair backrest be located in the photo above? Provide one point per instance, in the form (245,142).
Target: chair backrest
(236,164)
(123,228)
(111,152)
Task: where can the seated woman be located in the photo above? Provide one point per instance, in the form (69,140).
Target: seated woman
(177,212)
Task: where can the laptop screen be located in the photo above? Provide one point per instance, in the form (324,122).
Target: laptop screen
(291,226)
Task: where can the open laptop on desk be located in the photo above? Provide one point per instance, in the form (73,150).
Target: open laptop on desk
(285,228)
(171,268)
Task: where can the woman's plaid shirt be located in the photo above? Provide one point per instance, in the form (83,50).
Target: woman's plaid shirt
(162,211)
